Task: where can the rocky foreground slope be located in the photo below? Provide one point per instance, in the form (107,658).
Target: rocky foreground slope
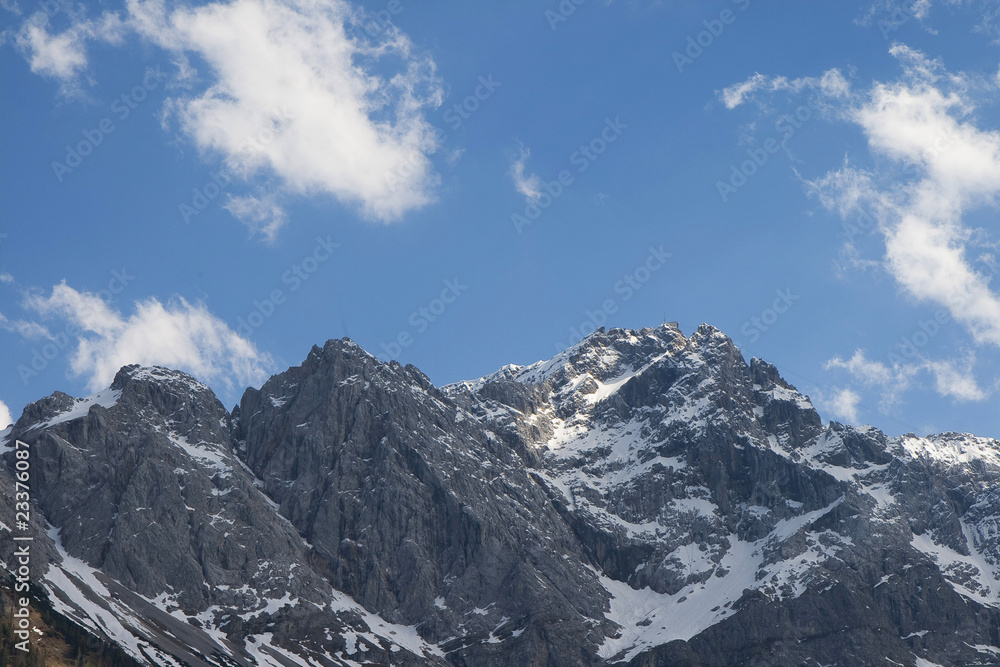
(643,498)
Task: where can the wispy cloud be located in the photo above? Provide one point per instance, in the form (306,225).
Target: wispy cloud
(892,380)
(529,185)
(262,215)
(889,16)
(831,84)
(953,378)
(24,328)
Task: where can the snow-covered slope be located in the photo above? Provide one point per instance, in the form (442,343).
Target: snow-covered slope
(703,486)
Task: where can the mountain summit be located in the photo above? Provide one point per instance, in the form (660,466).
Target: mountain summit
(644,497)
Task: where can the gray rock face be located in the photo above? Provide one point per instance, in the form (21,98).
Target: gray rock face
(154,511)
(642,498)
(418,512)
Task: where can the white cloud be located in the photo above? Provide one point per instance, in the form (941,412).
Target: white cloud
(61,56)
(5,417)
(262,215)
(872,372)
(529,185)
(297,94)
(6,278)
(344,130)
(178,335)
(922,123)
(844,405)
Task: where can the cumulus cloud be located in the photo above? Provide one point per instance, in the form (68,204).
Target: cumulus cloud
(529,185)
(295,94)
(177,334)
(5,417)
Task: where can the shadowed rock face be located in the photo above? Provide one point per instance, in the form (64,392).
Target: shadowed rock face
(643,497)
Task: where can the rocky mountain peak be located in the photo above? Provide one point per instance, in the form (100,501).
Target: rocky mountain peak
(643,497)
(183,403)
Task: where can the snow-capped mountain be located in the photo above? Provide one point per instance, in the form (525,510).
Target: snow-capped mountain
(643,498)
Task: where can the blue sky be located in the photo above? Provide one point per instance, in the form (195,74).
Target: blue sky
(218,186)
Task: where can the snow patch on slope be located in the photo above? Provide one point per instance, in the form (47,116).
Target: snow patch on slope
(81,407)
(403,636)
(650,619)
(953,448)
(75,591)
(204,453)
(971,576)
